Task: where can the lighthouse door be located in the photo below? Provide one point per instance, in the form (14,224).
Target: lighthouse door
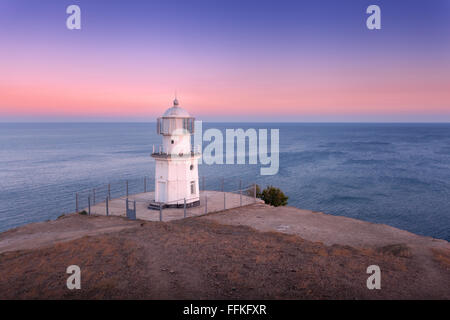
(161,191)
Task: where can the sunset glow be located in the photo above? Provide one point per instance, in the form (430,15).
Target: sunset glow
(127,61)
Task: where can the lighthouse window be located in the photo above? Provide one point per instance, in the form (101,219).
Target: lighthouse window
(192,187)
(172,142)
(192,167)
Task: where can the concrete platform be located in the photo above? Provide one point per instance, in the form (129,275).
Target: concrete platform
(210,201)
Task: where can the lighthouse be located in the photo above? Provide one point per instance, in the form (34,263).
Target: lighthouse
(176,162)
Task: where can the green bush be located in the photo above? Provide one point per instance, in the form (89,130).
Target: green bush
(83,212)
(274,196)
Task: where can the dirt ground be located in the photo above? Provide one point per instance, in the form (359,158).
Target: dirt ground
(212,257)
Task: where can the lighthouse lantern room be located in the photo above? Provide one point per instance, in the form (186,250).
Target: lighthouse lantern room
(176,162)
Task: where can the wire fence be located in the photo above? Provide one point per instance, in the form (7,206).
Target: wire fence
(133,199)
(117,189)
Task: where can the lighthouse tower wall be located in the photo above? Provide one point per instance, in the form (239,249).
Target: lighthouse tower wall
(176,165)
(177,180)
(176,144)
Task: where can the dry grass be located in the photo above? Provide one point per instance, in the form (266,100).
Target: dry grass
(443,257)
(199,259)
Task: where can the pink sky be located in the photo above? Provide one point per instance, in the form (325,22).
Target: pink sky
(291,71)
(92,88)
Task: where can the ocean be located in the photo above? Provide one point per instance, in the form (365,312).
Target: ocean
(395,174)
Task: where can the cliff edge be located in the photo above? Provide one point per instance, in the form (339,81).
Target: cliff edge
(252,252)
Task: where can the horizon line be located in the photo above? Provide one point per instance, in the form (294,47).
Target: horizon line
(292,122)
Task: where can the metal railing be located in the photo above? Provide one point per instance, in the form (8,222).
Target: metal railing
(159,149)
(103,201)
(86,198)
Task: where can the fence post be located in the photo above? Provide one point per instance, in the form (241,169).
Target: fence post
(107,206)
(160,212)
(145,184)
(224,201)
(206,203)
(254,192)
(127,206)
(109,190)
(223,182)
(203,180)
(94,196)
(185,207)
(76,202)
(89,205)
(127,188)
(240,193)
(134,210)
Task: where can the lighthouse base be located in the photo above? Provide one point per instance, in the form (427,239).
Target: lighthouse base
(157,205)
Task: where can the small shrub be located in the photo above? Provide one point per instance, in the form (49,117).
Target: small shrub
(83,212)
(274,196)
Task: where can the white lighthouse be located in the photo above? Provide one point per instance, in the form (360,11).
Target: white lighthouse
(176,168)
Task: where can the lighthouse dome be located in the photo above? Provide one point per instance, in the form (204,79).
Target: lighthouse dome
(176,111)
(175,121)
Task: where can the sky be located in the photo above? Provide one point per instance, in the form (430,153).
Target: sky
(227,60)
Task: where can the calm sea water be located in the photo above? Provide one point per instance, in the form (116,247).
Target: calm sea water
(397,174)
